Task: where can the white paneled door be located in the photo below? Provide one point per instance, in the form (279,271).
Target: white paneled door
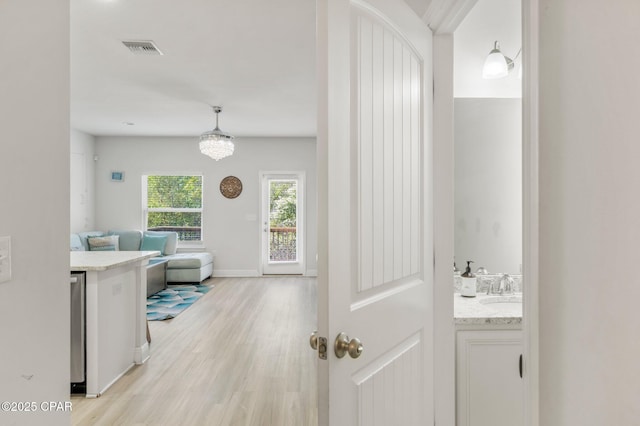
(375,261)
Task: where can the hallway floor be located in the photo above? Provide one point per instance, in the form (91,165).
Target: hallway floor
(238,356)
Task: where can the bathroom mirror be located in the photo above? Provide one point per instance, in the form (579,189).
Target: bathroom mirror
(488,141)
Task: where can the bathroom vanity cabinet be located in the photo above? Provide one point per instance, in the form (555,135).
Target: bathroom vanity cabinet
(489,389)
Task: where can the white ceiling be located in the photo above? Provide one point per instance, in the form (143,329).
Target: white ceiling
(256,58)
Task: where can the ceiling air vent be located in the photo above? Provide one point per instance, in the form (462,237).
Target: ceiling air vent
(142,47)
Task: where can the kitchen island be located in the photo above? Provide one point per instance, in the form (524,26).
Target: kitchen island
(116,307)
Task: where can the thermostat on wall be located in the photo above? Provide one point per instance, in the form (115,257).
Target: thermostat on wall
(117,176)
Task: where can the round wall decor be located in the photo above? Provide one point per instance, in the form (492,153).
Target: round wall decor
(230,187)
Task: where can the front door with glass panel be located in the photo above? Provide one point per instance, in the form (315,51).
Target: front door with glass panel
(282,223)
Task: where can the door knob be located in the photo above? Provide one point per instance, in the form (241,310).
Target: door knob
(313,340)
(345,346)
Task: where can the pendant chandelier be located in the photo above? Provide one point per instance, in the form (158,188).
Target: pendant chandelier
(216,143)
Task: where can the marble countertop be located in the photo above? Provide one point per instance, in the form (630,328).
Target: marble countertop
(480,311)
(103,260)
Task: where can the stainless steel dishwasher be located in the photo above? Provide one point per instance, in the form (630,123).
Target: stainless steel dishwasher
(78,333)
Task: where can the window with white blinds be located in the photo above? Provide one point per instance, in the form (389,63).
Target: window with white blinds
(174,203)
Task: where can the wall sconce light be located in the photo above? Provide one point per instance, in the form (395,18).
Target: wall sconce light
(497,65)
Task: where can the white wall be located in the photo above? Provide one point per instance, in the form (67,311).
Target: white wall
(589,213)
(231,227)
(488,21)
(82,203)
(34,170)
(488,184)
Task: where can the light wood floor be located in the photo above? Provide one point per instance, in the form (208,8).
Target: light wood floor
(238,356)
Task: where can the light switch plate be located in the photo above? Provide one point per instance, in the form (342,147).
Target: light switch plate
(5,259)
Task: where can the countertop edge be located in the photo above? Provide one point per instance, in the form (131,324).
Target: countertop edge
(488,321)
(135,256)
(469,311)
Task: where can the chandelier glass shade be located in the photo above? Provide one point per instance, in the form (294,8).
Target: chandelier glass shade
(216,143)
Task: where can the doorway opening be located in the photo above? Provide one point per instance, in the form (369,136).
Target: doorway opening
(283,242)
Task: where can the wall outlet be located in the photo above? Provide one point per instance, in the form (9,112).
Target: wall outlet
(5,259)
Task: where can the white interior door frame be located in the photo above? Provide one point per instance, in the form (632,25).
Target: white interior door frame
(443,217)
(530,208)
(299,266)
(443,20)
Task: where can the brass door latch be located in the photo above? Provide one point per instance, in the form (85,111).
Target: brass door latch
(319,344)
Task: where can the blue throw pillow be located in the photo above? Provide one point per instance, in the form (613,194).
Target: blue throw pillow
(106,243)
(154,243)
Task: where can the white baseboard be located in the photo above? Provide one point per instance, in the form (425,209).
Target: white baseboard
(111,382)
(251,273)
(141,354)
(235,273)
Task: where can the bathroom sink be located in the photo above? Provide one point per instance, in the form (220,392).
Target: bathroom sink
(508,304)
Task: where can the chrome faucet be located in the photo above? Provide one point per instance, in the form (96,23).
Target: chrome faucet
(502,285)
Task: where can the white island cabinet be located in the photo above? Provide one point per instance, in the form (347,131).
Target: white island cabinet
(115,296)
(489,389)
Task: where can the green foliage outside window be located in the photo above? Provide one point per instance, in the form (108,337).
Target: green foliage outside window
(283,203)
(174,192)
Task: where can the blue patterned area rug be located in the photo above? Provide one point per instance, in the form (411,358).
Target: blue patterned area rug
(167,304)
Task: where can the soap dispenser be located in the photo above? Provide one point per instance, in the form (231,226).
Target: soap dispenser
(468,288)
